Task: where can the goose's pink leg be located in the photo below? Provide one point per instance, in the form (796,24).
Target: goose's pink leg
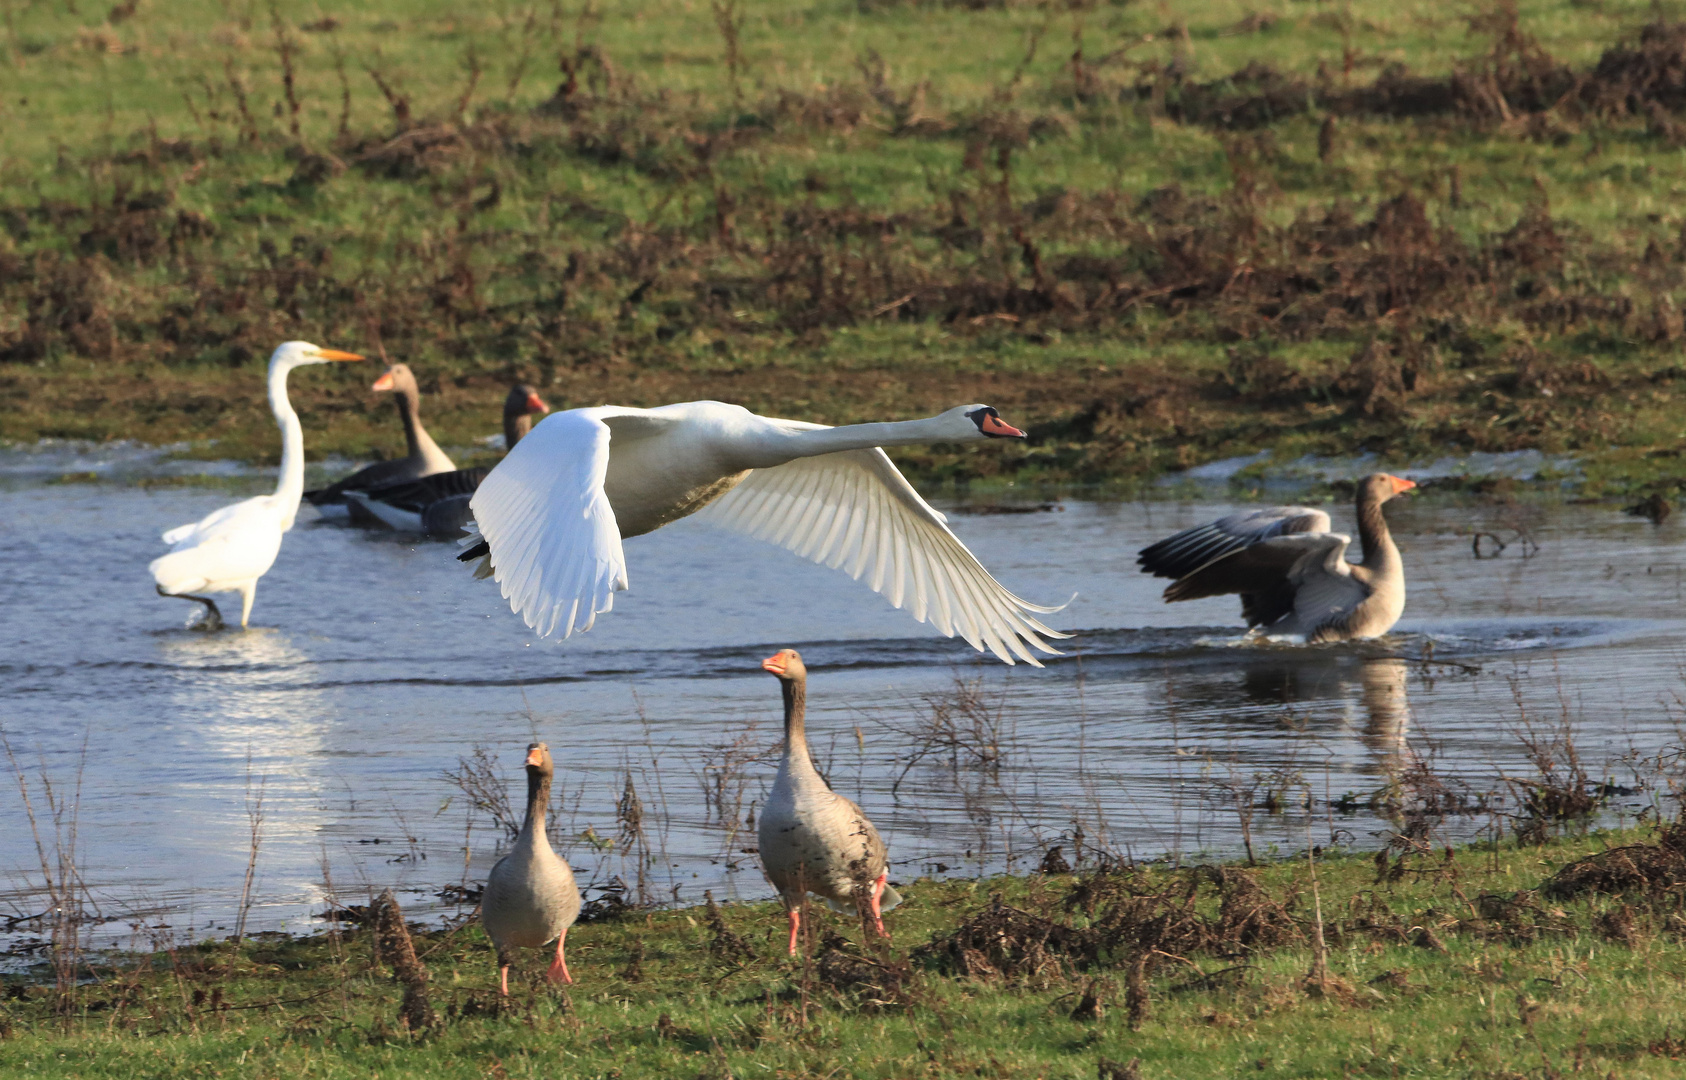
(503,979)
(877,895)
(795,924)
(559,966)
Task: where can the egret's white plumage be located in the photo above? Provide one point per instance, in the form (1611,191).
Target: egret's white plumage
(229,549)
(551,516)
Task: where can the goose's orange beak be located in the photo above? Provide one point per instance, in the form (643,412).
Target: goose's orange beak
(384,382)
(535,758)
(774,663)
(536,404)
(337,354)
(1401,485)
(994,425)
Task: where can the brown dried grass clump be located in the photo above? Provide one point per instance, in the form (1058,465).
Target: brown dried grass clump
(1135,923)
(1518,919)
(1634,868)
(1004,942)
(1514,80)
(873,982)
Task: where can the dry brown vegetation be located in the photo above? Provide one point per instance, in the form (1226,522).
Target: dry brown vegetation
(1285,300)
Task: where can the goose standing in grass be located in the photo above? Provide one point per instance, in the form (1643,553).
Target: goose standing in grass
(1290,570)
(230,549)
(551,516)
(438,505)
(424,458)
(530,898)
(812,839)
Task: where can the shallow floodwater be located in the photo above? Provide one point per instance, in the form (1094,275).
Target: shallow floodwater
(376,664)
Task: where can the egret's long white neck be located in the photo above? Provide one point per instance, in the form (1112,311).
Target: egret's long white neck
(290,487)
(800,444)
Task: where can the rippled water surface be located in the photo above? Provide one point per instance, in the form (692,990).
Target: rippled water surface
(376,664)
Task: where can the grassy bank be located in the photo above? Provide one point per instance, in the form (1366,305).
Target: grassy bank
(1487,961)
(1154,236)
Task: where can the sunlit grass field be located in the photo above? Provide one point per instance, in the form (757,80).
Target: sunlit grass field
(1436,964)
(854,210)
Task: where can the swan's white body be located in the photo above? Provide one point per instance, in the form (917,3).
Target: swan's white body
(553,513)
(229,549)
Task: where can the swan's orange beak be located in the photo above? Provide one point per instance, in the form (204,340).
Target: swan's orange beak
(536,404)
(337,354)
(994,425)
(775,663)
(384,382)
(1401,485)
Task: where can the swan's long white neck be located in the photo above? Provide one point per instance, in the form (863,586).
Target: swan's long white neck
(790,445)
(290,487)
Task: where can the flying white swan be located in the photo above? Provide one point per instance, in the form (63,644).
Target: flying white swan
(229,549)
(551,516)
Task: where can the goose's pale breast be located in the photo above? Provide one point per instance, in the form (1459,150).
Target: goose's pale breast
(530,898)
(809,836)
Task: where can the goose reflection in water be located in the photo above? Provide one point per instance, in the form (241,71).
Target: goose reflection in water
(1365,695)
(1387,713)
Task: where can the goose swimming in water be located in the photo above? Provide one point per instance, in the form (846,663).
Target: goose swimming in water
(423,459)
(551,517)
(1291,570)
(438,504)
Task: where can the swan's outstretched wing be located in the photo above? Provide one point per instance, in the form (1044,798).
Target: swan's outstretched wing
(854,511)
(555,549)
(1192,549)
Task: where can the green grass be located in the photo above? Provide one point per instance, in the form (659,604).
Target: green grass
(1544,989)
(881,215)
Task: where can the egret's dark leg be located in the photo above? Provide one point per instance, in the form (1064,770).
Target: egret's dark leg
(213,617)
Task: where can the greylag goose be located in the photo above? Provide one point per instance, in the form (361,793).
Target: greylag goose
(1290,570)
(423,459)
(437,505)
(551,517)
(530,898)
(812,839)
(230,549)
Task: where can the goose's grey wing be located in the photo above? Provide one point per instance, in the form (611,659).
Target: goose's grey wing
(1294,573)
(1182,554)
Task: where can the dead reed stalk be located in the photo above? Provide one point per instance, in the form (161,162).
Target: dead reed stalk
(415,1013)
(254,822)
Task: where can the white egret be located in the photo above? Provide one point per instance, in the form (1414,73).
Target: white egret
(229,549)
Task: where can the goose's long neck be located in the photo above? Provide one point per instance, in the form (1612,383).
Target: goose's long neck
(538,798)
(420,443)
(290,487)
(800,444)
(515,428)
(1381,556)
(796,760)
